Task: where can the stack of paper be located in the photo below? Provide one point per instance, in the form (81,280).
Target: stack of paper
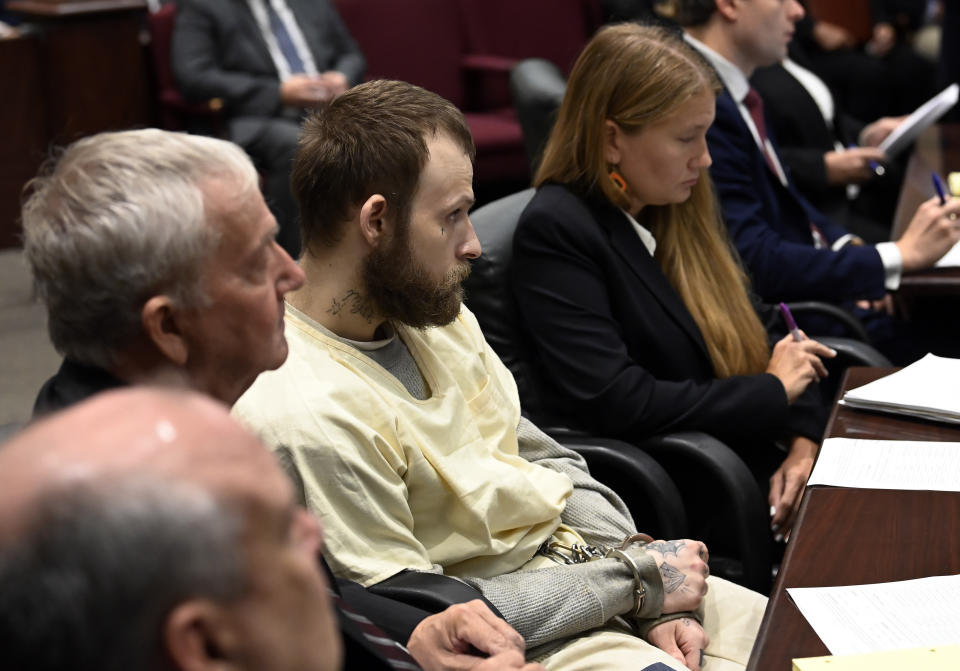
(945,658)
(929,388)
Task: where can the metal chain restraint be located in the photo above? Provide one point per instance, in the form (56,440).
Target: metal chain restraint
(571,554)
(579,554)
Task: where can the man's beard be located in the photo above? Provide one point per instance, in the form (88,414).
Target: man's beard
(401,288)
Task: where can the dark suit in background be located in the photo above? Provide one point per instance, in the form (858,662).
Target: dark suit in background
(218,51)
(804,136)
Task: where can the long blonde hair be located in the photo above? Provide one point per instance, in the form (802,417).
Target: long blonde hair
(635,75)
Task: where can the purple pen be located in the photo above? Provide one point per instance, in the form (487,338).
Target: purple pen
(791,324)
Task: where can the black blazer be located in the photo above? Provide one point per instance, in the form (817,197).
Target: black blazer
(803,136)
(617,349)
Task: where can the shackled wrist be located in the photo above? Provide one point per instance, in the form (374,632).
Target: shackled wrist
(639,586)
(648,584)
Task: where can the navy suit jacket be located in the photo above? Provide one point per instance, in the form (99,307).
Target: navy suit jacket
(617,350)
(770,224)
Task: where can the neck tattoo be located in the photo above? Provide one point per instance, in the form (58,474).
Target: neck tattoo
(354,303)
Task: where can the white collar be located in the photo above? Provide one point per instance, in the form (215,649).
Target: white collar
(646,237)
(731,76)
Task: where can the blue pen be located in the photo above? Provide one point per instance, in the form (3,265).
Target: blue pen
(938,185)
(878,169)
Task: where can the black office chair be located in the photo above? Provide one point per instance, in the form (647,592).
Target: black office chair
(537,87)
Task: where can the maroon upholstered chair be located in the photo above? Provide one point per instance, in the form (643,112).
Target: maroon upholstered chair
(175,112)
(555,30)
(424,42)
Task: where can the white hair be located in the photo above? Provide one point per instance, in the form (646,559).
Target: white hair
(118,218)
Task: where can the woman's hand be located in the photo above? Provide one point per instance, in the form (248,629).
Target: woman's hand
(797,363)
(787,483)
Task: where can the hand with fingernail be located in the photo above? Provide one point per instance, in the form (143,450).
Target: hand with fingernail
(797,363)
(786,486)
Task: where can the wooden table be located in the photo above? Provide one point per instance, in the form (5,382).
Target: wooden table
(857,536)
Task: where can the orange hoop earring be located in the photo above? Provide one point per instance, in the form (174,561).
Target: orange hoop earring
(616,178)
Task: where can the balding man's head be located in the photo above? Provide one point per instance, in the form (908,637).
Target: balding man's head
(143,529)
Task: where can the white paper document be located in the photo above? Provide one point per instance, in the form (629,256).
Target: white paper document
(888,464)
(951,259)
(928,388)
(923,117)
(858,619)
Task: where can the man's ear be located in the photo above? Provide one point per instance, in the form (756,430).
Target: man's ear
(161,322)
(729,9)
(611,142)
(199,635)
(373,223)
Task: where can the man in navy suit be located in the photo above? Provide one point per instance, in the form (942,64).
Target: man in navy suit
(792,250)
(268,60)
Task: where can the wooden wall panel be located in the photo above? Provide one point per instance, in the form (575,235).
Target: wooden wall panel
(23,127)
(82,70)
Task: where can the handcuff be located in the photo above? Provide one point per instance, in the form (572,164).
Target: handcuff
(580,554)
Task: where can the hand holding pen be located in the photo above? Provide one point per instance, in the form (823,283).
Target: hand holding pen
(854,165)
(796,360)
(933,230)
(941,193)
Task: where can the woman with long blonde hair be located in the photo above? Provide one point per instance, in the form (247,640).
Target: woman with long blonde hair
(637,307)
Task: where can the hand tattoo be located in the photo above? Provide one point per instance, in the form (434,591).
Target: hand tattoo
(672,578)
(356,303)
(666,547)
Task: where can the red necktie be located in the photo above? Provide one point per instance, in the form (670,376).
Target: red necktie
(754,105)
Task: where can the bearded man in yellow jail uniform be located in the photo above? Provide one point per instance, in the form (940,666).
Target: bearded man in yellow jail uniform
(404,430)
